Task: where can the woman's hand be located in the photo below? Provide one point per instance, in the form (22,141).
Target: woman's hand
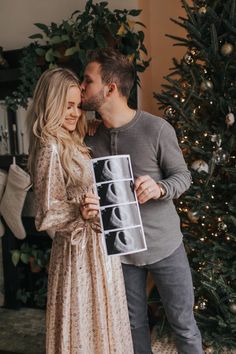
(90,206)
(92,126)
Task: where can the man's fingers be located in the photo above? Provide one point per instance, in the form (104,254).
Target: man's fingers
(140,180)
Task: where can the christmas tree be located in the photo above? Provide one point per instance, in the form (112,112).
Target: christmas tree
(199,100)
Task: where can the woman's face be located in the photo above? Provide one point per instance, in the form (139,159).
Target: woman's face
(73,111)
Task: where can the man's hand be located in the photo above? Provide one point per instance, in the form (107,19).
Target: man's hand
(146,188)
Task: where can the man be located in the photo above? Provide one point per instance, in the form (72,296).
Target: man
(160,176)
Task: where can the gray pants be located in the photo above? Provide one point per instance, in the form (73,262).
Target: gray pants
(173,280)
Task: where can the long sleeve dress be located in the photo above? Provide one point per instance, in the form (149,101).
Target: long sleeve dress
(86,309)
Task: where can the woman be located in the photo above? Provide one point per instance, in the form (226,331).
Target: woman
(86,309)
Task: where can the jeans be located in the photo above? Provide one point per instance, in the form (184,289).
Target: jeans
(173,280)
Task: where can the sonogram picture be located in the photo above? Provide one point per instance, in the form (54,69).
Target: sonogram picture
(119,209)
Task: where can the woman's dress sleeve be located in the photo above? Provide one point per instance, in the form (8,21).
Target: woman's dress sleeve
(53,209)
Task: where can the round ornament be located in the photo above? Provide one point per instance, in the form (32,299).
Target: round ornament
(230,119)
(232,308)
(222,226)
(202,303)
(227,49)
(216,138)
(206,85)
(209,350)
(202,10)
(199,166)
(220,157)
(193,216)
(169,112)
(188,58)
(194,51)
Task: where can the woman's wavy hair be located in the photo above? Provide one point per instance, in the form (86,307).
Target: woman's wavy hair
(46,116)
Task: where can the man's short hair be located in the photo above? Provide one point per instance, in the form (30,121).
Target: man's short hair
(115,67)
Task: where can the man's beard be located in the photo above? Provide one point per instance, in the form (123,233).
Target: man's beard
(94,102)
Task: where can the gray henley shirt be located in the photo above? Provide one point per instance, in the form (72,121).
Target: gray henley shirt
(152,145)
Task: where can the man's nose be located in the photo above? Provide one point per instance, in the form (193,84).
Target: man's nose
(82,87)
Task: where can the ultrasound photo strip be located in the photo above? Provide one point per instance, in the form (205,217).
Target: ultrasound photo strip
(119,209)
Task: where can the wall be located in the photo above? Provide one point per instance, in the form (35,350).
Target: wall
(22,14)
(156,15)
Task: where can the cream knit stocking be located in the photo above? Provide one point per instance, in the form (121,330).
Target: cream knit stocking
(18,183)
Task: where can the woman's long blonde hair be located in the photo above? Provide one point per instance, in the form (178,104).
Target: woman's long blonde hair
(46,116)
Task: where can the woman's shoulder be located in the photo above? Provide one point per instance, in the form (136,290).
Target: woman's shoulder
(46,150)
(49,146)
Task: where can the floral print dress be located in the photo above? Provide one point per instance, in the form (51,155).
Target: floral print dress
(86,309)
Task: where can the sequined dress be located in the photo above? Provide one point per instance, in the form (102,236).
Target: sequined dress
(86,310)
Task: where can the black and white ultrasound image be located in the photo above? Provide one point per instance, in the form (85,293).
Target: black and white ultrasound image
(120,217)
(124,241)
(116,193)
(112,169)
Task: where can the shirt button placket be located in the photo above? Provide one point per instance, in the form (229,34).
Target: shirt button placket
(114,143)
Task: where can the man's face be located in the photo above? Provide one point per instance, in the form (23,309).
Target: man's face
(93,90)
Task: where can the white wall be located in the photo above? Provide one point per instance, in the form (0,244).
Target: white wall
(17,18)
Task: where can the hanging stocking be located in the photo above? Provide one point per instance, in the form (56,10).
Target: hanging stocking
(3,179)
(18,183)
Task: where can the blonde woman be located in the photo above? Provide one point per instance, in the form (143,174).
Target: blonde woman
(86,309)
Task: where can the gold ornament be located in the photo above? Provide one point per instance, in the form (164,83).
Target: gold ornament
(188,58)
(202,10)
(193,216)
(206,85)
(227,49)
(232,308)
(169,112)
(209,350)
(194,51)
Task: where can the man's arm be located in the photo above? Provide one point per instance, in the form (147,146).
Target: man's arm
(176,176)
